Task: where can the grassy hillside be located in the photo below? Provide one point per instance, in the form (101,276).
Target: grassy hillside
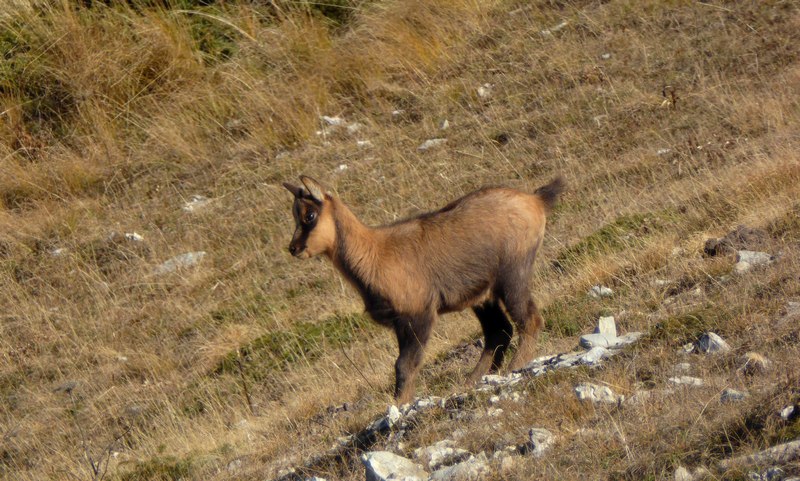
(671,121)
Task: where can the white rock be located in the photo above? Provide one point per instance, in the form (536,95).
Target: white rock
(628,338)
(746,260)
(364,144)
(430,143)
(354,128)
(494,412)
(663,151)
(682,474)
(498,380)
(134,237)
(772,474)
(711,343)
(682,367)
(391,418)
(444,125)
(590,341)
(606,325)
(788,412)
(386,466)
(605,56)
(443,453)
(333,121)
(594,355)
(494,400)
(474,468)
(686,380)
(188,259)
(399,112)
(540,441)
(58,252)
(598,291)
(731,396)
(776,455)
(195,203)
(595,393)
(485,91)
(554,29)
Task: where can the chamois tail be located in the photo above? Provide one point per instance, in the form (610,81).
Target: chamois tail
(549,193)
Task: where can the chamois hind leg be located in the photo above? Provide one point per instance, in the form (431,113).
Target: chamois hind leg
(412,335)
(497,331)
(522,310)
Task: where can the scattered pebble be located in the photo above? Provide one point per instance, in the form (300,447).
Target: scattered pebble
(195,203)
(552,30)
(364,144)
(444,125)
(790,412)
(443,453)
(430,143)
(188,259)
(663,151)
(746,260)
(686,380)
(385,466)
(731,396)
(711,343)
(476,467)
(599,291)
(485,91)
(540,440)
(134,237)
(595,393)
(605,56)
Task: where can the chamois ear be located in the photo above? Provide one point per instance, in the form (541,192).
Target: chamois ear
(314,188)
(295,190)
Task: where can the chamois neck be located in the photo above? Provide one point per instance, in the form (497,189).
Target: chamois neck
(356,248)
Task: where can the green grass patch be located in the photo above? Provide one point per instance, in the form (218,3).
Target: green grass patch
(305,342)
(625,232)
(570,317)
(687,327)
(160,468)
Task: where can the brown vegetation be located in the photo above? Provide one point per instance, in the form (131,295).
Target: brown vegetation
(673,122)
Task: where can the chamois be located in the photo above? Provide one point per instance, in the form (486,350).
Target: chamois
(477,252)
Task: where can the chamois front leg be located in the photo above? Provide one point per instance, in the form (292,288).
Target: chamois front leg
(412,335)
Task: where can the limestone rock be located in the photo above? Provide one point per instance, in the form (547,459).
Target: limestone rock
(598,394)
(746,260)
(473,469)
(598,291)
(431,143)
(731,396)
(686,380)
(188,259)
(386,466)
(540,441)
(443,453)
(776,455)
(682,474)
(711,343)
(606,325)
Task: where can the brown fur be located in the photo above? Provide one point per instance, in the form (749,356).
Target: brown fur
(477,252)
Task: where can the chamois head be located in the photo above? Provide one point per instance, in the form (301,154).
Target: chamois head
(315,232)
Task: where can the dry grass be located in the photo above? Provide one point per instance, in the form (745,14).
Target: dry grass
(112,117)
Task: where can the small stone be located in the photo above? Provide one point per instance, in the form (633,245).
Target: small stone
(444,125)
(66,387)
(661,152)
(431,143)
(494,412)
(790,412)
(605,56)
(755,363)
(188,259)
(598,291)
(195,203)
(354,128)
(688,348)
(333,121)
(234,466)
(731,396)
(134,237)
(540,441)
(494,400)
(607,326)
(746,260)
(443,453)
(686,380)
(341,168)
(554,29)
(485,91)
(682,474)
(58,252)
(682,367)
(711,343)
(364,144)
(628,338)
(385,466)
(595,393)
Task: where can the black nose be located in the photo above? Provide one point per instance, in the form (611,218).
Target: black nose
(292,249)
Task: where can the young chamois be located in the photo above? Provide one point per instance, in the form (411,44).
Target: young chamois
(477,252)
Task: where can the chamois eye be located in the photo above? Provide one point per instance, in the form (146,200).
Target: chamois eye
(310,217)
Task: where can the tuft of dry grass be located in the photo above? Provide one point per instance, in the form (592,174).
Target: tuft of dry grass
(672,123)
